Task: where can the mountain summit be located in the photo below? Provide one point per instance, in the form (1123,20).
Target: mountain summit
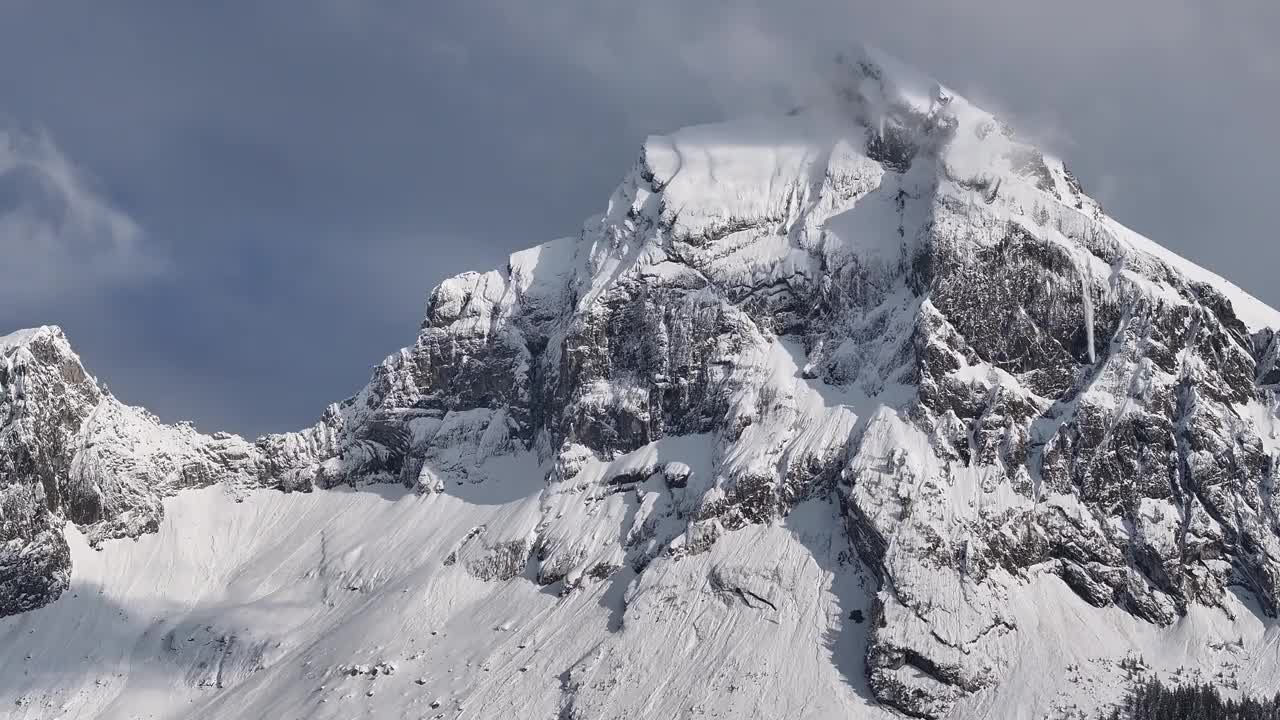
(859,410)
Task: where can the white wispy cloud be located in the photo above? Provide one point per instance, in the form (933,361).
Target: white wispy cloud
(58,236)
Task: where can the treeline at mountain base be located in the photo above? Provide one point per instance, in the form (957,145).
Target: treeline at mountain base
(1150,700)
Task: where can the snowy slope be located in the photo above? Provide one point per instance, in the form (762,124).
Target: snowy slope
(868,409)
(289,602)
(279,597)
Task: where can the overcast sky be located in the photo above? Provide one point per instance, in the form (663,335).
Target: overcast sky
(235,209)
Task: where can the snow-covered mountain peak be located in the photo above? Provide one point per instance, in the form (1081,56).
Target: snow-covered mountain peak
(25,336)
(892,133)
(908,112)
(21,348)
(873,384)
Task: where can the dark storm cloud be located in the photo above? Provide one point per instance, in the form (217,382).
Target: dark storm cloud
(307,170)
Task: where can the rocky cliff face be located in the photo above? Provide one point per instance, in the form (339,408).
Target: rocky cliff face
(69,451)
(886,301)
